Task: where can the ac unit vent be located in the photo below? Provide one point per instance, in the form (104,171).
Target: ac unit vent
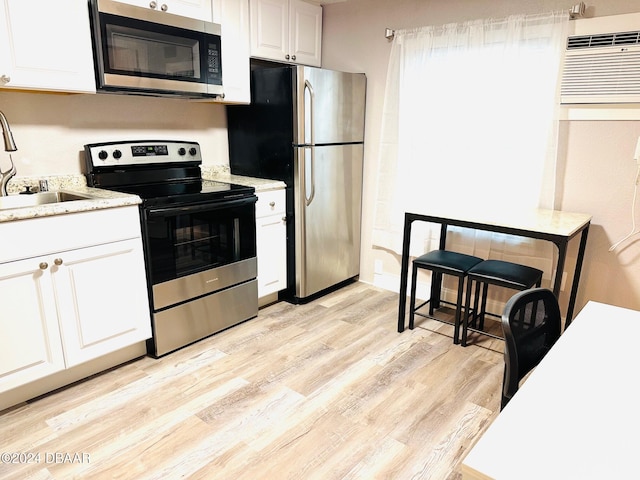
(603,40)
(602,78)
(602,61)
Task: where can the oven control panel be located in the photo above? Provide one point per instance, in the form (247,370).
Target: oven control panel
(114,154)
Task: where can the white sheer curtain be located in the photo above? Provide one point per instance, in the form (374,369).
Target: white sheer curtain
(469,120)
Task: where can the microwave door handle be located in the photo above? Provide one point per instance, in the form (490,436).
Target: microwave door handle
(308,200)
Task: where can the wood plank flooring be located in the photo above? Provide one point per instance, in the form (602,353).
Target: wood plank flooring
(327,390)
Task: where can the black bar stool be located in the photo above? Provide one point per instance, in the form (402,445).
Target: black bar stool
(441,262)
(502,274)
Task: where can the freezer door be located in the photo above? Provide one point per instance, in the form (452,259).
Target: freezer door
(330,106)
(328,183)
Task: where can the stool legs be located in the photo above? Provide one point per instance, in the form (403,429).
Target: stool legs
(467,305)
(483,308)
(456,326)
(434,300)
(412,302)
(478,316)
(436,282)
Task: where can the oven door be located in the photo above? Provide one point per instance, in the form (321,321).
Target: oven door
(184,240)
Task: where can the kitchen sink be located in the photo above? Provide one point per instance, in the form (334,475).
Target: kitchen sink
(36,199)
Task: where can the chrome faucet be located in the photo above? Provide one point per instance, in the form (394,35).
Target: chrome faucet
(9,146)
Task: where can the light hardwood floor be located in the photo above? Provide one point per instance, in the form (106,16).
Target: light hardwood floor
(326,390)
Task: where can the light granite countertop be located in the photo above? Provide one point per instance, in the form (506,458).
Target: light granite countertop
(223,175)
(100,198)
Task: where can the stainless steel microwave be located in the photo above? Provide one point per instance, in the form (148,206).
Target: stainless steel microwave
(144,51)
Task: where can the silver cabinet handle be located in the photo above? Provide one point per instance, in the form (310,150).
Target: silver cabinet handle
(272,204)
(284,219)
(43,265)
(153,5)
(293,57)
(164,7)
(58,261)
(5,78)
(286,57)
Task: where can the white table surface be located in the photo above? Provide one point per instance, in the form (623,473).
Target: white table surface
(577,416)
(543,221)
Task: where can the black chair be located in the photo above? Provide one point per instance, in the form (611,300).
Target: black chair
(531,325)
(441,262)
(502,274)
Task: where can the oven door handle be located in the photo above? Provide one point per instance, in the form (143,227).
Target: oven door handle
(201,207)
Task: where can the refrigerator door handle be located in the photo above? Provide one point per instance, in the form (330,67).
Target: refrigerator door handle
(309,199)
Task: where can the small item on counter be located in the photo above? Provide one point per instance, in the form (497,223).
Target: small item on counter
(27,190)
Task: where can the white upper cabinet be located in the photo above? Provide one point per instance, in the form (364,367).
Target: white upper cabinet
(286,31)
(46,46)
(305,33)
(200,9)
(233,15)
(270,29)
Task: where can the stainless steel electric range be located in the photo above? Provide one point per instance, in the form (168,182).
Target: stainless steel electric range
(199,237)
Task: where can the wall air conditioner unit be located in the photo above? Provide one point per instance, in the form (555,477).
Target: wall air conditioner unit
(602,61)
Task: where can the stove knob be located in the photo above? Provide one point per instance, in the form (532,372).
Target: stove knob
(181,151)
(117,154)
(193,151)
(102,155)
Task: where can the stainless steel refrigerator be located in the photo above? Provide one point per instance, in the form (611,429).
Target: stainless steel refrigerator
(305,126)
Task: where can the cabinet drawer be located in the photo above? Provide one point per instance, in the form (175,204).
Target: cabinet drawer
(270,203)
(45,235)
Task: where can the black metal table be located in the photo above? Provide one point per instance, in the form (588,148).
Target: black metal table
(554,226)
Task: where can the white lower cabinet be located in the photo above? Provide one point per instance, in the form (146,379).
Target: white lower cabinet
(271,242)
(92,324)
(67,307)
(29,324)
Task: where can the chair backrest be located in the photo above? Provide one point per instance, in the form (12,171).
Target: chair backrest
(531,326)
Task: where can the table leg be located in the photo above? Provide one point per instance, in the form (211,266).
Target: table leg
(576,276)
(404,271)
(562,256)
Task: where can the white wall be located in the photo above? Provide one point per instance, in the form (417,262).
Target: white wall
(50,130)
(596,172)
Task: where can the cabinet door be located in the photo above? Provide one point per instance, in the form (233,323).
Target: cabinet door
(102,300)
(305,34)
(46,46)
(200,9)
(271,242)
(271,239)
(270,29)
(234,18)
(31,347)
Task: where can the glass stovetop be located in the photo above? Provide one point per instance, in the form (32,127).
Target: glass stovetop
(186,192)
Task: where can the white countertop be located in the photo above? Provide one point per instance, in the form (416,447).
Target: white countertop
(576,416)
